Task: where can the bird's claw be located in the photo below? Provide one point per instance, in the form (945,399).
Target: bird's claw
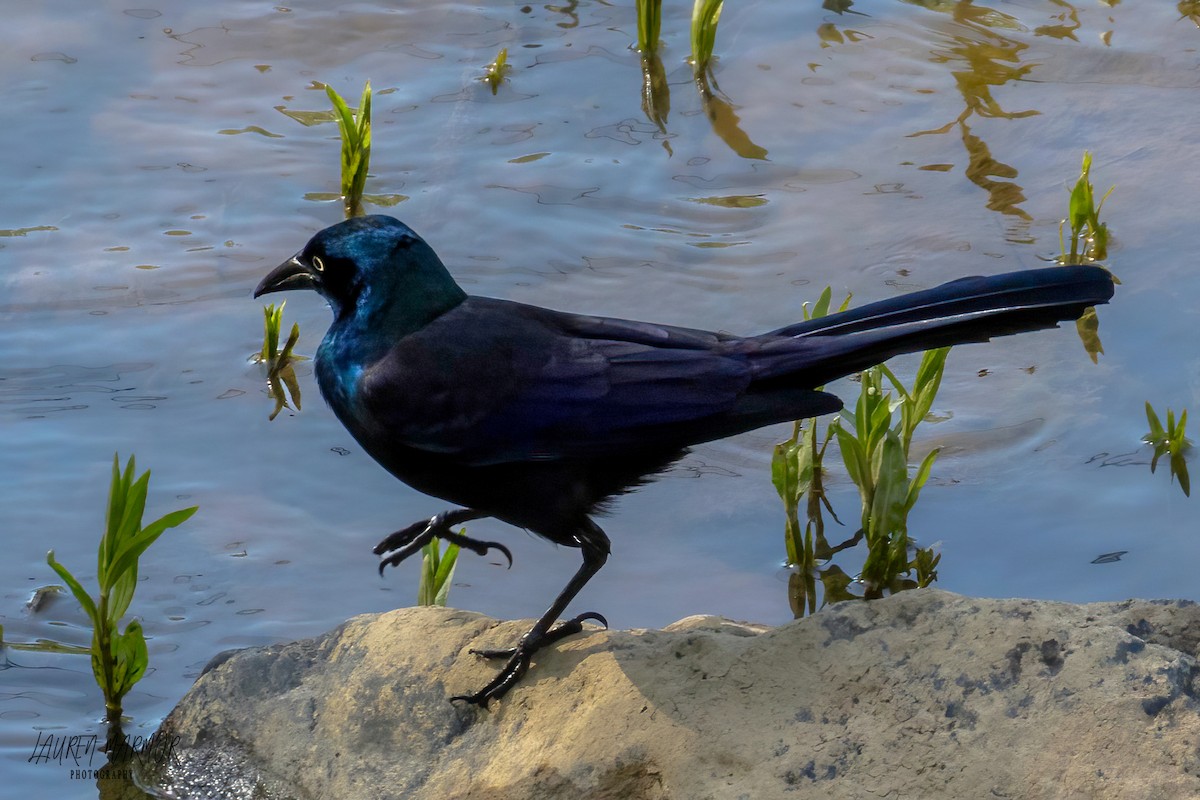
(476,546)
(403,537)
(519,658)
(407,541)
(514,670)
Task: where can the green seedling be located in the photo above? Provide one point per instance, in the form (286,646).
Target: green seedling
(705,16)
(1089,244)
(437,570)
(649,24)
(281,374)
(119,659)
(874,443)
(1170,440)
(798,472)
(797,468)
(1089,236)
(495,72)
(355,129)
(876,457)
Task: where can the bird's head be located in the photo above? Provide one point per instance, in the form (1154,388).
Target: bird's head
(373,266)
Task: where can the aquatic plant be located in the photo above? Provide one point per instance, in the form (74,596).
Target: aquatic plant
(355,129)
(437,570)
(649,24)
(495,72)
(1089,236)
(281,375)
(798,471)
(1170,440)
(875,452)
(1089,243)
(119,659)
(705,16)
(876,455)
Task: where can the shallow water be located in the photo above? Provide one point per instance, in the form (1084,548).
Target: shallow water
(154,178)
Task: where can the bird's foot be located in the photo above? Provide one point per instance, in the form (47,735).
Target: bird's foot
(407,541)
(519,658)
(475,545)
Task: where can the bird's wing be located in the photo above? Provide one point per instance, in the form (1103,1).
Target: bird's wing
(492,381)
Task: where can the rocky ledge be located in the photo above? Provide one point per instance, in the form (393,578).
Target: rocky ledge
(924,695)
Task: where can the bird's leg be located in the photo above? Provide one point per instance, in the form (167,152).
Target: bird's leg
(595,546)
(403,543)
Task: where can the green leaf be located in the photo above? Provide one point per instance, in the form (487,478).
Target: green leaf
(918,481)
(135,546)
(445,567)
(132,657)
(891,486)
(853,456)
(76,588)
(705,16)
(821,307)
(342,115)
(1179,470)
(783,473)
(116,539)
(445,573)
(121,594)
(1156,429)
(117,491)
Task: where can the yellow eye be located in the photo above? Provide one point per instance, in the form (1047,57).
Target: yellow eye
(318,264)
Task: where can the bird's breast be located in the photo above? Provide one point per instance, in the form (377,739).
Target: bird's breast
(339,367)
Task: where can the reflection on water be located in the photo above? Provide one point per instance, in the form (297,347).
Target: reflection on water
(982,58)
(34,393)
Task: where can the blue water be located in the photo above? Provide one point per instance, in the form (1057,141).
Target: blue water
(901,152)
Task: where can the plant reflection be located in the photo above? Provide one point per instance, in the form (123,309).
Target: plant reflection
(988,59)
(656,95)
(1190,9)
(725,122)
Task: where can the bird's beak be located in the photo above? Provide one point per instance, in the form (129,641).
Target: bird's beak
(291,274)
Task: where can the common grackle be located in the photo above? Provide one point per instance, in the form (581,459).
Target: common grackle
(539,417)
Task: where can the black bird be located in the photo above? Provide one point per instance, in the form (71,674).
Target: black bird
(539,417)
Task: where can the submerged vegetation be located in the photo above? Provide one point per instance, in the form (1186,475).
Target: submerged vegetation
(875,449)
(1089,244)
(649,25)
(119,659)
(355,129)
(874,445)
(705,16)
(1170,440)
(495,72)
(1089,236)
(281,374)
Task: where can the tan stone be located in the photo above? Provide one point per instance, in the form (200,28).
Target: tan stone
(924,695)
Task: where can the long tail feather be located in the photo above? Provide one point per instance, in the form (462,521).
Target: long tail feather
(966,310)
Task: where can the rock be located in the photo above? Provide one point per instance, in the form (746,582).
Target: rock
(923,695)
